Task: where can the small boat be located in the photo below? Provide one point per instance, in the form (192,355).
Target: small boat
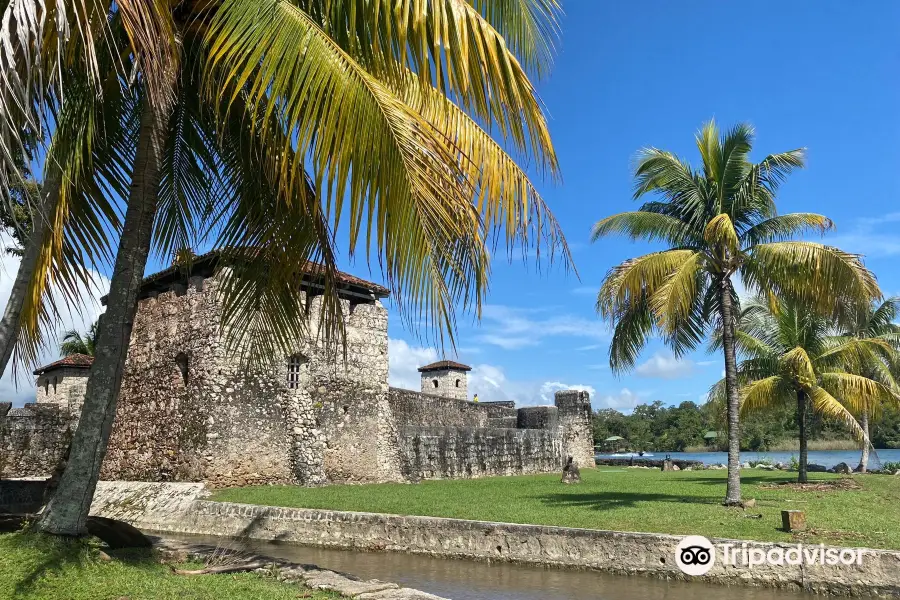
(631,455)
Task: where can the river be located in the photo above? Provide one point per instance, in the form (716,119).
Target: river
(827,458)
(471,580)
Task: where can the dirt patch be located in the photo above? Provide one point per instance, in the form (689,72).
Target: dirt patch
(835,485)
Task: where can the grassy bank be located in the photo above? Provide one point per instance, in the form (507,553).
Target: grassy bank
(682,502)
(793,446)
(36,567)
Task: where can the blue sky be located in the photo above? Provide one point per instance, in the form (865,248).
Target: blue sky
(823,75)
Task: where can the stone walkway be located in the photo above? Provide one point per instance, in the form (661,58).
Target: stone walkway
(309,575)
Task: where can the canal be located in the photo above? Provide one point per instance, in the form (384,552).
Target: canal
(471,580)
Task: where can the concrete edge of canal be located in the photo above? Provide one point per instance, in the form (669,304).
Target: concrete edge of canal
(181,508)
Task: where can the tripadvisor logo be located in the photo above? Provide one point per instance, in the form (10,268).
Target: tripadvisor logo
(695,555)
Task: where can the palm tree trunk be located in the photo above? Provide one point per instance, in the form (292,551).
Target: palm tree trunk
(67,511)
(864,457)
(11,321)
(733,490)
(801,424)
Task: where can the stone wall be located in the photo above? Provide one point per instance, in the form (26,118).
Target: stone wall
(32,439)
(218,422)
(575,426)
(619,552)
(463,452)
(189,412)
(442,438)
(424,410)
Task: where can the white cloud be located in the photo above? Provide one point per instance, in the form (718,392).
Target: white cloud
(20,389)
(512,328)
(624,401)
(403,362)
(589,347)
(707,363)
(665,367)
(864,237)
(488,381)
(585,291)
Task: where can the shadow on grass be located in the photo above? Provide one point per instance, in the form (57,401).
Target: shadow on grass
(614,500)
(56,555)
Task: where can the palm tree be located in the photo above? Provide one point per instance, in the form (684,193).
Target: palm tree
(876,322)
(271,122)
(718,221)
(75,343)
(794,358)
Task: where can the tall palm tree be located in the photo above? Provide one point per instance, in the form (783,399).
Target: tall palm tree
(719,222)
(270,122)
(794,358)
(876,322)
(74,343)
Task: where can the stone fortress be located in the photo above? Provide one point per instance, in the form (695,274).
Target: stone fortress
(187,411)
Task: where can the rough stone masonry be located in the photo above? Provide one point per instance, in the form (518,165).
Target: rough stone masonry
(189,411)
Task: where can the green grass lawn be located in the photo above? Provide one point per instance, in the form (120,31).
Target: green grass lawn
(681,502)
(34,567)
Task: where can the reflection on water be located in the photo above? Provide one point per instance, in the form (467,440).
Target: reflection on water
(472,580)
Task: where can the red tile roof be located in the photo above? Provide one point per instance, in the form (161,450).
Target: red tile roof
(73,361)
(310,268)
(445,364)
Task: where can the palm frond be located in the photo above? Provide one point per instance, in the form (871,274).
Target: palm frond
(826,278)
(787,226)
(506,197)
(530,27)
(451,45)
(637,278)
(674,300)
(633,326)
(763,393)
(642,225)
(829,407)
(387,168)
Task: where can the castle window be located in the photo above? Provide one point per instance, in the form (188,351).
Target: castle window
(457,382)
(434,382)
(46,386)
(54,384)
(295,363)
(181,359)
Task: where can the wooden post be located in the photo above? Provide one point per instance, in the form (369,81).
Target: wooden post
(793,520)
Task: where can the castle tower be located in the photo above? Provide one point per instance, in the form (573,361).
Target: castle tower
(446,378)
(575,426)
(64,382)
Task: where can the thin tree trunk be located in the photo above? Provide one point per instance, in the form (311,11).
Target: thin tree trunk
(864,457)
(801,424)
(67,512)
(11,321)
(733,490)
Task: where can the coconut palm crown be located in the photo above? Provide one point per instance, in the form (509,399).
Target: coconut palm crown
(719,221)
(877,322)
(792,355)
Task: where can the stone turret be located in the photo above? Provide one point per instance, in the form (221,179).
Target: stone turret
(64,382)
(446,378)
(575,426)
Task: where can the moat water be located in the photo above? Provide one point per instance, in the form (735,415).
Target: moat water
(826,458)
(472,580)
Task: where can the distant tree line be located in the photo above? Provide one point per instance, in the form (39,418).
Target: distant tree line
(659,428)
